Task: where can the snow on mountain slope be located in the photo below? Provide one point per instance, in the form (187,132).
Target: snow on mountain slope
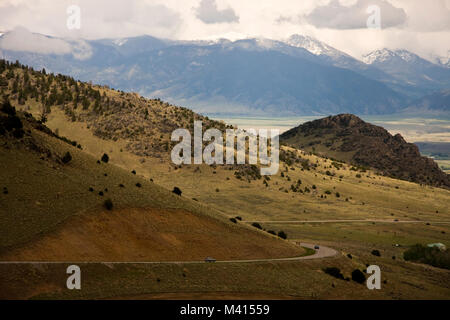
(384,55)
(408,68)
(314,46)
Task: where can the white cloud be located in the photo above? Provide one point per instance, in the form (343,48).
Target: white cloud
(427,16)
(208,12)
(20,39)
(426,29)
(335,15)
(99,18)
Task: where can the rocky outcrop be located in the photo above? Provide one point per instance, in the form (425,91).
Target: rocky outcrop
(346,137)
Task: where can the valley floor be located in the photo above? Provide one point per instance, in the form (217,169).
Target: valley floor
(343,194)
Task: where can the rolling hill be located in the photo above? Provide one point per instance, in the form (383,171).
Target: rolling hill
(53,207)
(346,137)
(51,213)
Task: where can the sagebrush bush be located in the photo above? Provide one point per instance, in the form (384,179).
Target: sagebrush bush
(282,235)
(177,191)
(66,158)
(233,220)
(105,158)
(108,204)
(376,253)
(358,276)
(335,272)
(256,225)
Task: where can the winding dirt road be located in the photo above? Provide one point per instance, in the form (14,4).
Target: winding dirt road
(345,221)
(321,253)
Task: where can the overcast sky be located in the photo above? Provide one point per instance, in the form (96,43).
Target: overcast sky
(417,25)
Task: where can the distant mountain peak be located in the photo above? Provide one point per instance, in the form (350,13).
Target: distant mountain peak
(313,45)
(382,55)
(120,42)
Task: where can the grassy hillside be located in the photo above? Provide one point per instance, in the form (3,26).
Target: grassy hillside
(53,208)
(51,214)
(348,138)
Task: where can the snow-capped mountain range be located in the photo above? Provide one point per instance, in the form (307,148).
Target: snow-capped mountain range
(386,55)
(298,75)
(313,45)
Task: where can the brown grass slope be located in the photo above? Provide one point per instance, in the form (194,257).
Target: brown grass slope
(47,210)
(348,138)
(145,124)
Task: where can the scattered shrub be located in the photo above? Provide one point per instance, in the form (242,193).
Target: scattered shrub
(282,235)
(349,256)
(272,232)
(105,158)
(177,191)
(338,195)
(376,253)
(335,272)
(108,204)
(428,255)
(121,186)
(101,194)
(238,218)
(328,192)
(233,220)
(91,189)
(256,225)
(66,158)
(138,185)
(358,276)
(133,172)
(8,108)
